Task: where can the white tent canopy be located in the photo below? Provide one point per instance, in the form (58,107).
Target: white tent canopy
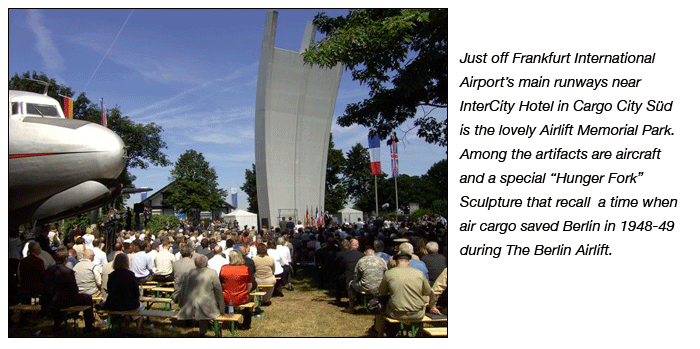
(243,217)
(350,214)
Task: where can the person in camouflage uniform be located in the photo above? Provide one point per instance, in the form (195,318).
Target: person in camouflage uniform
(368,274)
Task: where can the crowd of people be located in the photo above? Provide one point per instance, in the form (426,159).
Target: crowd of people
(215,267)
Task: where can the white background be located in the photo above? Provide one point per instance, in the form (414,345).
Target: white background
(646,293)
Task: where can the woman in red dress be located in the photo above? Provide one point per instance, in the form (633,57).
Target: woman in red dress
(236,282)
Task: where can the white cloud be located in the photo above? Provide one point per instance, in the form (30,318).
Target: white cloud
(50,55)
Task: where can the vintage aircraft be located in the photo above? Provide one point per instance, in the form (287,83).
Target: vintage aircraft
(58,167)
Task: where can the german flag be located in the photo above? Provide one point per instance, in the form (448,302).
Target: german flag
(68,107)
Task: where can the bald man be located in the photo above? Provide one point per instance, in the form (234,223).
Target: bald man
(88,275)
(346,261)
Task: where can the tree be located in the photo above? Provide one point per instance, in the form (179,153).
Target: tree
(437,176)
(401,55)
(195,185)
(357,177)
(144,142)
(336,194)
(251,189)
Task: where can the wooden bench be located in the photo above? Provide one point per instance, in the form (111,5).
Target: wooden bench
(411,328)
(164,290)
(256,295)
(26,308)
(116,317)
(233,318)
(153,300)
(435,331)
(72,313)
(249,305)
(364,298)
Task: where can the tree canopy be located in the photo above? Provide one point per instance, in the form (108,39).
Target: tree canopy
(251,189)
(401,55)
(195,185)
(336,194)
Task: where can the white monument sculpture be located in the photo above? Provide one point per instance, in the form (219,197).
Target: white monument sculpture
(293,115)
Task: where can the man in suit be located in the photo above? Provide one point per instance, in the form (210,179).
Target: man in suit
(346,267)
(183,266)
(434,261)
(201,295)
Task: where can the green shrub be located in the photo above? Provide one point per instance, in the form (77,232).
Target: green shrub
(157,222)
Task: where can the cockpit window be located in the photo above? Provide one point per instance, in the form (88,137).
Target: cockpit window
(42,110)
(15,108)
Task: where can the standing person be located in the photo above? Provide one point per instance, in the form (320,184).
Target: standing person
(61,291)
(88,237)
(408,291)
(128,219)
(201,296)
(54,240)
(237,282)
(289,225)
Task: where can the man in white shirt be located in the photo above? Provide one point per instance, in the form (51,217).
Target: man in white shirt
(229,248)
(100,256)
(218,260)
(141,263)
(360,224)
(163,263)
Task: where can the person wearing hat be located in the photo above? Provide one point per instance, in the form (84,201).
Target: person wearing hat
(408,291)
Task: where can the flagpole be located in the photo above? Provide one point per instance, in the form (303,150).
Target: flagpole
(376,198)
(396,191)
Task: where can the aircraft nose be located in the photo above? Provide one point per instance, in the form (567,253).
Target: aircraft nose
(109,148)
(114,153)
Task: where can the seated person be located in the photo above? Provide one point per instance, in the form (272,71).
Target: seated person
(123,289)
(368,274)
(61,291)
(264,271)
(438,296)
(237,282)
(200,297)
(408,291)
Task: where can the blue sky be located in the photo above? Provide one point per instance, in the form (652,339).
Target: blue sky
(193,72)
